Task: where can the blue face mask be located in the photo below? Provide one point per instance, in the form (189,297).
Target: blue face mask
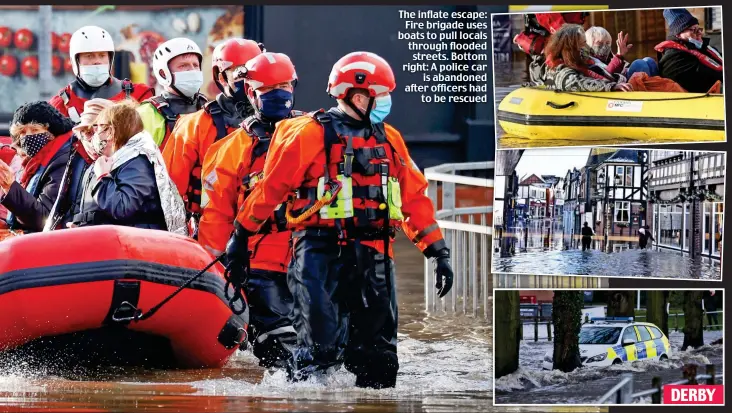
(276,104)
(697,43)
(381,109)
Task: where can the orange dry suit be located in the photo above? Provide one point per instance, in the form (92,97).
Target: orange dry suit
(232,167)
(190,140)
(230,171)
(376,184)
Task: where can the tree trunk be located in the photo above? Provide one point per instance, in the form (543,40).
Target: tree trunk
(506,331)
(656,309)
(567,319)
(621,303)
(693,320)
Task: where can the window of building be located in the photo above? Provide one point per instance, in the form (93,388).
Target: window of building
(619,175)
(671,226)
(628,176)
(622,211)
(713,225)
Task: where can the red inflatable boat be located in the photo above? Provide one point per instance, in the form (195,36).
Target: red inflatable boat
(63,294)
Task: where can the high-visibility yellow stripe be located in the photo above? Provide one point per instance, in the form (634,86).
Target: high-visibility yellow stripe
(650,349)
(637,334)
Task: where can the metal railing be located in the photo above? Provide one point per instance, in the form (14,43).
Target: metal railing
(466,231)
(623,390)
(675,316)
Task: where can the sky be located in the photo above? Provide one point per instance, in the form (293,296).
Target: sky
(551,161)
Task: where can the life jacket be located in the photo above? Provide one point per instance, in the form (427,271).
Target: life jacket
(544,24)
(255,129)
(538,27)
(163,107)
(713,61)
(367,191)
(193,193)
(75,104)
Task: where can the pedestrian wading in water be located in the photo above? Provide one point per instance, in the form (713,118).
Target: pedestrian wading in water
(587,234)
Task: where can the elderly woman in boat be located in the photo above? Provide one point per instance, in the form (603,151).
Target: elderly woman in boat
(567,65)
(43,136)
(128,184)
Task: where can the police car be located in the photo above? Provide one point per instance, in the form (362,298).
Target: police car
(612,340)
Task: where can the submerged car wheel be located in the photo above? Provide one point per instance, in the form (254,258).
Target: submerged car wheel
(617,361)
(663,357)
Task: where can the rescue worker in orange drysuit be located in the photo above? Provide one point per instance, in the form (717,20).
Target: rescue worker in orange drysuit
(344,218)
(231,169)
(91,51)
(193,134)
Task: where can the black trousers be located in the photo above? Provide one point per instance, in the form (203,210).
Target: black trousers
(271,334)
(345,310)
(586,242)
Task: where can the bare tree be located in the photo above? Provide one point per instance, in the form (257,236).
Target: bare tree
(693,320)
(656,303)
(506,331)
(567,320)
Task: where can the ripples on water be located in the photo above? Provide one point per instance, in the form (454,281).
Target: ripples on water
(628,263)
(445,365)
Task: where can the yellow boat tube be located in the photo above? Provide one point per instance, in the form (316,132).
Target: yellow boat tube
(535,113)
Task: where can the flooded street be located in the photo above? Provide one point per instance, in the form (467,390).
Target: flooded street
(543,247)
(585,385)
(445,365)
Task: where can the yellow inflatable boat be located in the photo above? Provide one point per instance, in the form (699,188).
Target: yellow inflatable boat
(534,113)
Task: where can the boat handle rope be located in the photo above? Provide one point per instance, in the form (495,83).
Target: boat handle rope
(138,315)
(558,106)
(705,95)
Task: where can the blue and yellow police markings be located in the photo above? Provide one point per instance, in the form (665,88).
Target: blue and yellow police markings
(617,352)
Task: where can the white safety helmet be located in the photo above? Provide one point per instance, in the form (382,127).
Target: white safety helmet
(90,39)
(167,51)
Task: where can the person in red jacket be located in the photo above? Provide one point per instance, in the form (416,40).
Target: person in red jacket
(232,167)
(196,132)
(91,50)
(538,27)
(354,184)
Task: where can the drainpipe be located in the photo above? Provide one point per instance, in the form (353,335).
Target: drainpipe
(45,72)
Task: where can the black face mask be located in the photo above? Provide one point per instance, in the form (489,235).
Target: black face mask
(237,92)
(32,144)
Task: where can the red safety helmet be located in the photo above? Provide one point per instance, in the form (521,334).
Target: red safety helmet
(268,69)
(233,53)
(360,70)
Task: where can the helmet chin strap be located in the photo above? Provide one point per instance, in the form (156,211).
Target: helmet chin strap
(364,116)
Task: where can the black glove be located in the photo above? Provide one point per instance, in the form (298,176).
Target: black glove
(443,272)
(237,258)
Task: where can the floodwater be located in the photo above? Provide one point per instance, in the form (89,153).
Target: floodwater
(544,248)
(586,385)
(446,365)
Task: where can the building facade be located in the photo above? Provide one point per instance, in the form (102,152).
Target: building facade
(686,206)
(619,193)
